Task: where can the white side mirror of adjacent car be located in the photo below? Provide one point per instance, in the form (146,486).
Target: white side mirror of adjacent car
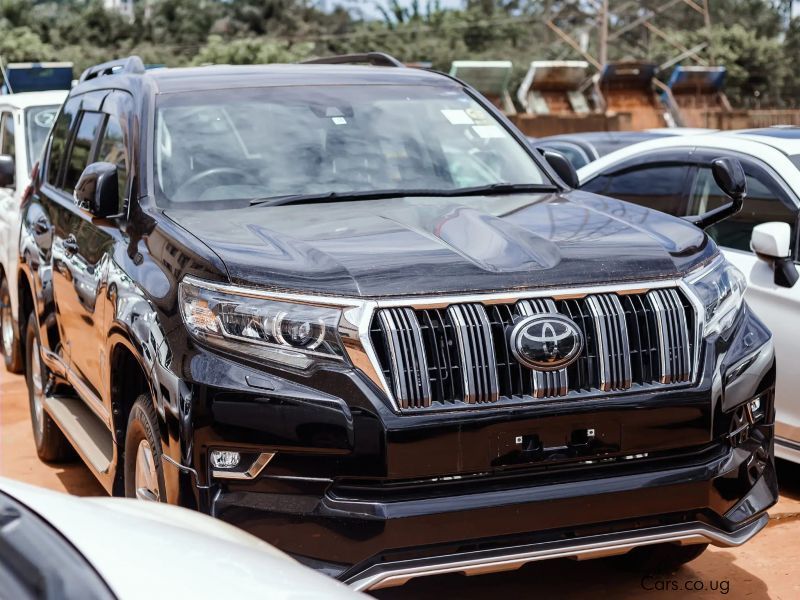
(772,240)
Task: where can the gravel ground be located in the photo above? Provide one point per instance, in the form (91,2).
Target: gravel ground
(766,567)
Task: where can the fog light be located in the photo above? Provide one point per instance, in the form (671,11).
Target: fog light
(755,405)
(225,459)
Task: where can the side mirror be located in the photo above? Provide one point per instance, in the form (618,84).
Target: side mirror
(97,191)
(561,165)
(730,178)
(772,242)
(7,171)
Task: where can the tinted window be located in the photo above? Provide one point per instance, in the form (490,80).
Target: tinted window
(597,185)
(7,134)
(112,150)
(81,148)
(38,121)
(658,187)
(59,141)
(762,205)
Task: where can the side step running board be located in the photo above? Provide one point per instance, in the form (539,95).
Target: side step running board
(87,433)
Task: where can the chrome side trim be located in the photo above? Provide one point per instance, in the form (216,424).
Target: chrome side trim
(255,469)
(473,563)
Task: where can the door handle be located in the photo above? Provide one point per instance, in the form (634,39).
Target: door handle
(71,245)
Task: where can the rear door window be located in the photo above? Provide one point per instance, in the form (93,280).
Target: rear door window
(82,146)
(655,186)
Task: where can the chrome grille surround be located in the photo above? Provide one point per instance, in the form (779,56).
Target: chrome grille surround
(619,317)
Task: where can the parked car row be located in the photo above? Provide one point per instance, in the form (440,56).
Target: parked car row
(351,310)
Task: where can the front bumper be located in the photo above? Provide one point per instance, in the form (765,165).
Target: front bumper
(374,498)
(708,495)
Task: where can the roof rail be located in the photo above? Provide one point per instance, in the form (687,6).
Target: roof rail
(132,64)
(377,59)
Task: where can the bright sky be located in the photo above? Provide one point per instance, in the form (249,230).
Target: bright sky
(368,7)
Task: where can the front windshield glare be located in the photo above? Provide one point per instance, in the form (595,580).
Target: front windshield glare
(221,149)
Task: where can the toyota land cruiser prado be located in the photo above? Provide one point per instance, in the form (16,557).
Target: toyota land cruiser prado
(349,309)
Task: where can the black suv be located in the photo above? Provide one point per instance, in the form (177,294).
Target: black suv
(348,308)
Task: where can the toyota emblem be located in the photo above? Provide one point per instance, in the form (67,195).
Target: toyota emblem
(546,342)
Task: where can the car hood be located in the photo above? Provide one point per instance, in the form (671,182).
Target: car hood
(143,549)
(447,245)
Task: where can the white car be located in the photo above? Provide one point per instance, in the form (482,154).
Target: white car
(673,174)
(57,546)
(25,121)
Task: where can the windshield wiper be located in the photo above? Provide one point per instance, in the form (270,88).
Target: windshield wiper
(491,189)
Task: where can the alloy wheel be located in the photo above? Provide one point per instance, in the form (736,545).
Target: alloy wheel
(146,478)
(37,390)
(7,327)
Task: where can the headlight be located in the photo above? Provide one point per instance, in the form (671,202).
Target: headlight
(290,333)
(720,288)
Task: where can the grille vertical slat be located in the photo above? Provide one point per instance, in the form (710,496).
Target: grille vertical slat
(460,355)
(406,353)
(613,348)
(476,352)
(673,336)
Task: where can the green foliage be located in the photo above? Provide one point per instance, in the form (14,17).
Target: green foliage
(22,44)
(754,39)
(253,50)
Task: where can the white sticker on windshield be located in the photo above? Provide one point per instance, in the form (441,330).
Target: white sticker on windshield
(339,120)
(488,132)
(457,116)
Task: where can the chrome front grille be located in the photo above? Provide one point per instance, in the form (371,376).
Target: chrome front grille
(459,355)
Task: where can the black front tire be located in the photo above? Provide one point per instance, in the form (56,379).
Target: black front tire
(51,444)
(661,558)
(142,437)
(12,352)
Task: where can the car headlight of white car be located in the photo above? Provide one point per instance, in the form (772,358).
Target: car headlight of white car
(720,288)
(294,334)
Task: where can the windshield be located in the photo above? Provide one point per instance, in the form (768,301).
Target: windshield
(38,121)
(220,149)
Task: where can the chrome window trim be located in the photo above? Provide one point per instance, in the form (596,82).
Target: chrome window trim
(357,314)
